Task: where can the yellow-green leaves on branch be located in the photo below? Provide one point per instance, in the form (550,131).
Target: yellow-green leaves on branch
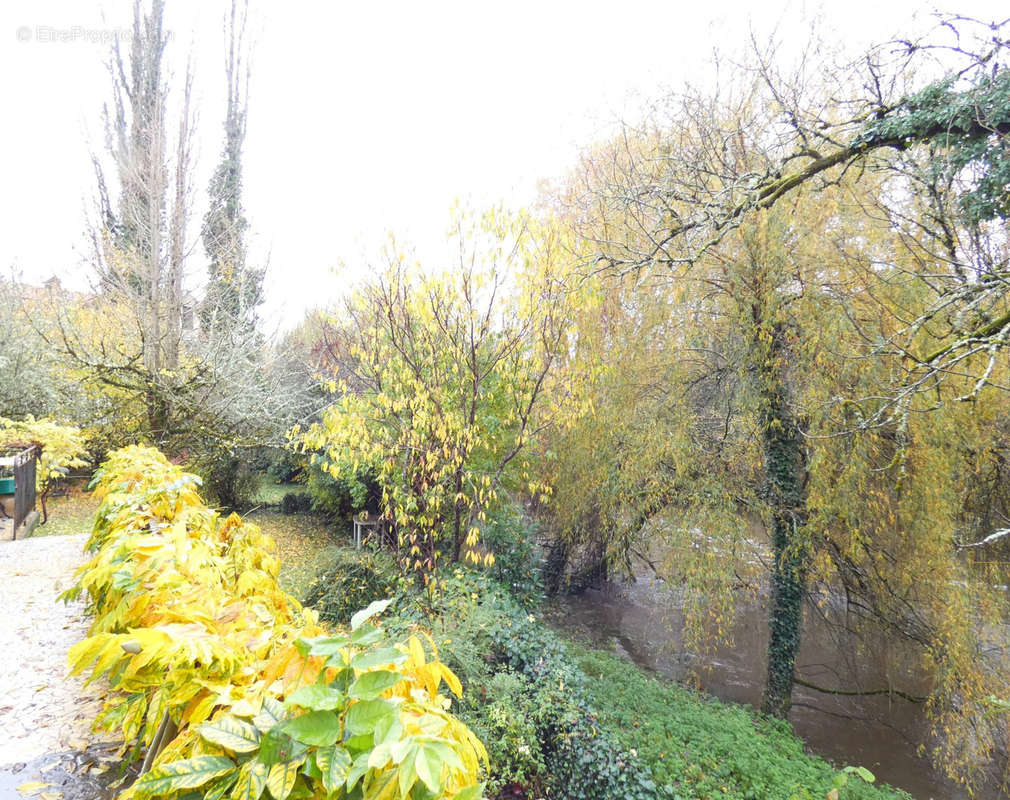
(449,377)
(63,446)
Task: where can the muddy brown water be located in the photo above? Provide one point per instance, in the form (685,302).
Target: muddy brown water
(883,733)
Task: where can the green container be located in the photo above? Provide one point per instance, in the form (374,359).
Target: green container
(6,486)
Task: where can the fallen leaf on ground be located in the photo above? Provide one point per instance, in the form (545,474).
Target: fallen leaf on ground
(33,786)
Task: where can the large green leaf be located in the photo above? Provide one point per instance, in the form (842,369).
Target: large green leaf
(382,784)
(186,774)
(231,734)
(363,716)
(370,685)
(219,788)
(360,743)
(475,792)
(371,610)
(270,714)
(334,763)
(358,768)
(320,728)
(407,774)
(366,635)
(378,658)
(387,729)
(318,698)
(447,753)
(278,747)
(379,757)
(428,763)
(322,645)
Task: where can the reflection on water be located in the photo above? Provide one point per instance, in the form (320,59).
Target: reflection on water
(882,732)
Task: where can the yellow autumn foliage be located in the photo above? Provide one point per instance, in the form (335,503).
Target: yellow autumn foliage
(194,636)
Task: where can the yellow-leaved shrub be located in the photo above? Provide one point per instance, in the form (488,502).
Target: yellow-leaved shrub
(233,687)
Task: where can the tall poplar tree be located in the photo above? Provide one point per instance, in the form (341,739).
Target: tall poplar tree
(140,250)
(234,289)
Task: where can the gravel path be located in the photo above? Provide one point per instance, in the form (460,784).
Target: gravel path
(42,711)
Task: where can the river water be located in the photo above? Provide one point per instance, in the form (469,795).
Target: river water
(882,733)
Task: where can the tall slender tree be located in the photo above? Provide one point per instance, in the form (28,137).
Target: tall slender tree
(203,391)
(234,289)
(139,241)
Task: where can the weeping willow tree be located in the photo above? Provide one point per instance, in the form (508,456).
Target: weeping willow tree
(825,357)
(734,337)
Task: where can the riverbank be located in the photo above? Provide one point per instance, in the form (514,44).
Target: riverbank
(561,720)
(641,624)
(568,722)
(705,748)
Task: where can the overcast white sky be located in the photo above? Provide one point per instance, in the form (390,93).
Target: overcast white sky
(366,117)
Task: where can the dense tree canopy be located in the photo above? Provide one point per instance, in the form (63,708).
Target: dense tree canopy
(821,283)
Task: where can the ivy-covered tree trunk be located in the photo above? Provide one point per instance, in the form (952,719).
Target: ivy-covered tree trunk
(785,465)
(788,589)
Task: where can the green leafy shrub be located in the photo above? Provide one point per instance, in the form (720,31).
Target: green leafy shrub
(583,758)
(352,580)
(227,474)
(295,503)
(517,565)
(527,700)
(339,497)
(283,465)
(508,723)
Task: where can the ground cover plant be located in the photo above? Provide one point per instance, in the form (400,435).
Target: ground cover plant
(707,749)
(350,580)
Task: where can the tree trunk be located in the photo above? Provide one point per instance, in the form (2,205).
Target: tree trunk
(555,565)
(457,525)
(785,486)
(785,616)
